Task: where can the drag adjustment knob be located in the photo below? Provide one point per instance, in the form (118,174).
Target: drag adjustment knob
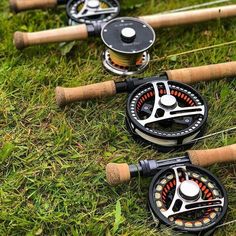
(128,35)
(93,4)
(168,101)
(189,190)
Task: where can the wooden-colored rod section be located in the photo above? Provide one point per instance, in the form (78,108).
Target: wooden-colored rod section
(212,156)
(189,17)
(24,5)
(22,40)
(68,95)
(203,73)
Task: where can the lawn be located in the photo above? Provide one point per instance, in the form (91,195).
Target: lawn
(52,160)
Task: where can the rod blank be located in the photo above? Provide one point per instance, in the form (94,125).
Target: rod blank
(189,17)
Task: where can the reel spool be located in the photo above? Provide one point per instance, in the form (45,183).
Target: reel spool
(166,114)
(187,198)
(127,40)
(92,11)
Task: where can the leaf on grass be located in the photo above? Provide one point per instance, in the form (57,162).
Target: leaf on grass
(6,151)
(118,217)
(173,58)
(66,48)
(224,93)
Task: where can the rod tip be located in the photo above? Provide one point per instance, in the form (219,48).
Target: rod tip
(117,173)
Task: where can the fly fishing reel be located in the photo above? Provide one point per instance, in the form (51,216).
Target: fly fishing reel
(92,11)
(127,40)
(166,114)
(187,198)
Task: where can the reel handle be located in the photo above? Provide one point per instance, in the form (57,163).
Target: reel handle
(212,156)
(189,17)
(23,5)
(23,40)
(203,73)
(67,95)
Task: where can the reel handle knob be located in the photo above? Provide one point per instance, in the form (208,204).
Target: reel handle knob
(67,95)
(23,5)
(117,173)
(23,40)
(212,156)
(189,17)
(203,73)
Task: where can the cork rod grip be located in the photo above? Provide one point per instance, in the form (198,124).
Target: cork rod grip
(212,156)
(23,40)
(65,96)
(117,173)
(203,73)
(23,5)
(189,17)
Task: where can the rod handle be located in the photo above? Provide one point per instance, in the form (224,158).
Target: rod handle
(65,96)
(23,5)
(189,17)
(203,73)
(212,156)
(23,39)
(117,173)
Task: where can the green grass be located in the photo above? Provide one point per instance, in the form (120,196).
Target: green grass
(52,161)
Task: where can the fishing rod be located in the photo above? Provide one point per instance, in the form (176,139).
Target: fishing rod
(83,31)
(65,96)
(23,5)
(161,111)
(182,194)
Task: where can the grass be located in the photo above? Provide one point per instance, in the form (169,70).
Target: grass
(52,161)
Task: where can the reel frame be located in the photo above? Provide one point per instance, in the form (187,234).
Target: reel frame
(126,50)
(91,9)
(211,194)
(166,103)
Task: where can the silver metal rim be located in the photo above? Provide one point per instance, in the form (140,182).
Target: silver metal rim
(123,71)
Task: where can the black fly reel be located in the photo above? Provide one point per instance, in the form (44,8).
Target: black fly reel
(92,11)
(187,198)
(127,42)
(166,114)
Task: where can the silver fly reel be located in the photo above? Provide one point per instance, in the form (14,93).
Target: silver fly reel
(187,198)
(127,40)
(92,11)
(166,114)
